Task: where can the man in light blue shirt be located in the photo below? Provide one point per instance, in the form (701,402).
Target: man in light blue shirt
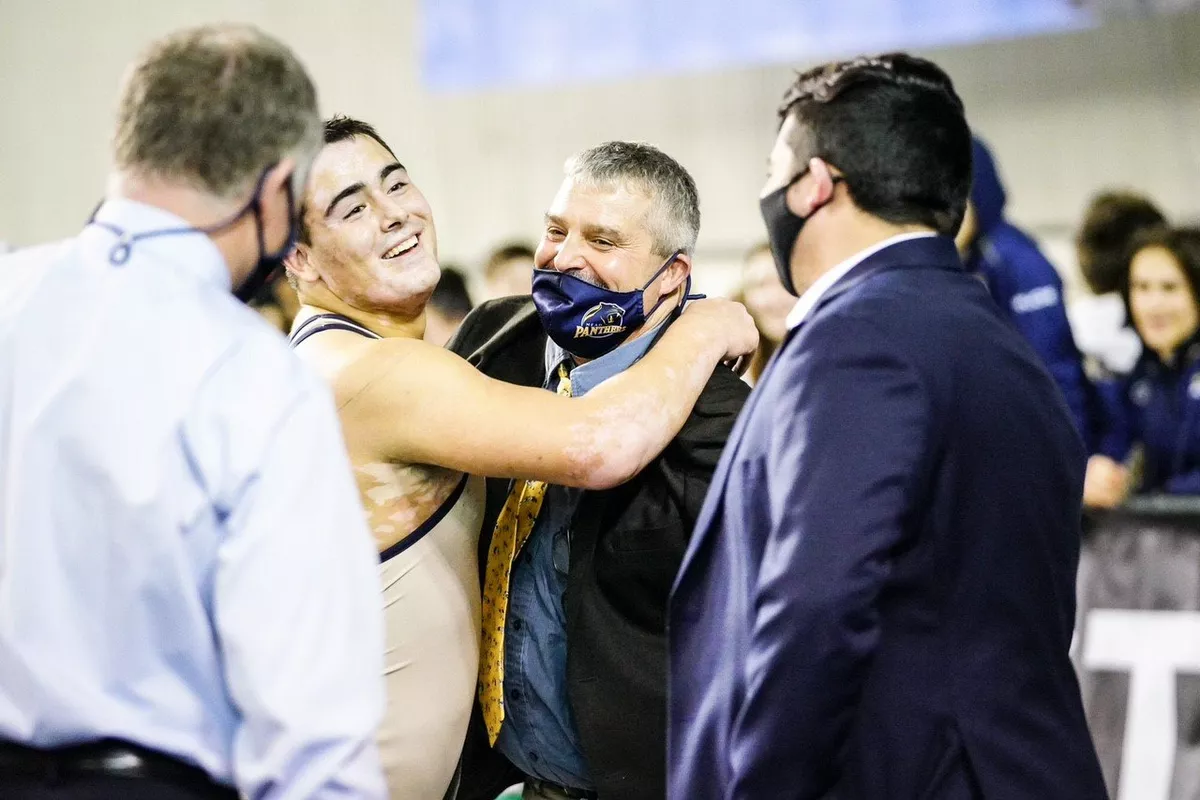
(188,590)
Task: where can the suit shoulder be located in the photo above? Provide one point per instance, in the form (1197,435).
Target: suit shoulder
(488,319)
(851,321)
(499,311)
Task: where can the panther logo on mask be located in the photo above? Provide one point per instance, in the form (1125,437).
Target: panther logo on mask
(602,319)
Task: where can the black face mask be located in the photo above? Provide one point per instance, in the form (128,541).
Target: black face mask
(268,263)
(783,228)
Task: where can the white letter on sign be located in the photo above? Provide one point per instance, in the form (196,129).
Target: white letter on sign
(1152,646)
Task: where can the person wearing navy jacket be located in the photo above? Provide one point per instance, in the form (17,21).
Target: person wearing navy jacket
(878,600)
(1160,400)
(1026,286)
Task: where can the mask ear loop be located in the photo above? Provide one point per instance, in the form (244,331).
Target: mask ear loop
(123,249)
(662,298)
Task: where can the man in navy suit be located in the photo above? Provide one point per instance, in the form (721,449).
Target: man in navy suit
(879,596)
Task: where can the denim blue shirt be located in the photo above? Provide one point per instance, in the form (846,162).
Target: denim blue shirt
(539,735)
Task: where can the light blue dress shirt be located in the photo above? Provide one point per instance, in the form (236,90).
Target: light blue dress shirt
(184,562)
(539,735)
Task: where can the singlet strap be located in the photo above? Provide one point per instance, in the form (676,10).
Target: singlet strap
(428,525)
(328,322)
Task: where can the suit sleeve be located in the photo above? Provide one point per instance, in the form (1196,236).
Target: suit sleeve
(851,432)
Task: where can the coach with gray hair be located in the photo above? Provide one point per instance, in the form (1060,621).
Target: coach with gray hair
(174,622)
(572,695)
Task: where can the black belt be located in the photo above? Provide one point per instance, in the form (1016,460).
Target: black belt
(565,791)
(107,758)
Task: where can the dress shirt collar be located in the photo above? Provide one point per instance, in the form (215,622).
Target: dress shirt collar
(808,301)
(192,251)
(586,377)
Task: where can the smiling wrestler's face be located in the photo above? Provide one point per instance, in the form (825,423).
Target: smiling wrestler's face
(369,233)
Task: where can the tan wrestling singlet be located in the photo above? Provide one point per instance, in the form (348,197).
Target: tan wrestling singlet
(430,583)
(431,664)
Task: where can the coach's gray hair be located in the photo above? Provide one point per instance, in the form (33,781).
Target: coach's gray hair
(674,221)
(214,106)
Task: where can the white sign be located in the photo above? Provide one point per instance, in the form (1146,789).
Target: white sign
(1153,647)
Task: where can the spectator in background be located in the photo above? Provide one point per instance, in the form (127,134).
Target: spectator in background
(448,304)
(508,271)
(1099,321)
(1160,399)
(1026,286)
(768,303)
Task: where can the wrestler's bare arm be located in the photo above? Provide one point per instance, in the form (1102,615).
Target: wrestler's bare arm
(420,404)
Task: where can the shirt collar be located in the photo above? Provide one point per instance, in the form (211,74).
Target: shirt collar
(813,294)
(191,250)
(586,377)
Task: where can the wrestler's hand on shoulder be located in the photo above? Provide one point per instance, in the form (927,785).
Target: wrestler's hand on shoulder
(726,322)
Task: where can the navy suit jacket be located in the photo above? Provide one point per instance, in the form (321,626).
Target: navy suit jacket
(879,596)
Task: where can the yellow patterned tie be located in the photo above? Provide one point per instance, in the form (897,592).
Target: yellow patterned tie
(513,527)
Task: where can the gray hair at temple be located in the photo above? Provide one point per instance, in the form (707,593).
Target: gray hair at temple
(213,107)
(674,220)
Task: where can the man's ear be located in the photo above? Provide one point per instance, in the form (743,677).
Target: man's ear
(812,191)
(676,274)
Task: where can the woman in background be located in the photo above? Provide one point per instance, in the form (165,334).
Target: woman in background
(1159,402)
(1111,223)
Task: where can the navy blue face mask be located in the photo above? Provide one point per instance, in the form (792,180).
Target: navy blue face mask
(268,263)
(588,320)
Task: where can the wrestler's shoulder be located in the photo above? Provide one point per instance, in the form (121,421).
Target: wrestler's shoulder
(391,363)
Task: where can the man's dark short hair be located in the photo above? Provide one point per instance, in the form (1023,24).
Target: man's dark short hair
(895,128)
(1111,223)
(451,297)
(339,128)
(505,253)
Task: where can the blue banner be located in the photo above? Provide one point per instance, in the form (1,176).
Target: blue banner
(481,44)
